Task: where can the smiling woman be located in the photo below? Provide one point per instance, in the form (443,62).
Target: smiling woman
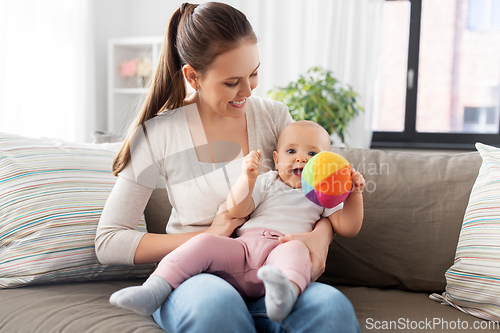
(46,68)
(213,47)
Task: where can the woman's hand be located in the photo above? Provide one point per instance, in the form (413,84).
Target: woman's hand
(224,223)
(318,242)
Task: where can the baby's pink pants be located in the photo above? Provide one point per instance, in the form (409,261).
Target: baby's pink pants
(237,260)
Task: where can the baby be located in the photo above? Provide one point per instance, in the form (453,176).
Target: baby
(255,262)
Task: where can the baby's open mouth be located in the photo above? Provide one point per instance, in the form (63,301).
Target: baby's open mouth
(297,171)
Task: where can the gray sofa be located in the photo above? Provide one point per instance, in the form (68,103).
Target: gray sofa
(414,206)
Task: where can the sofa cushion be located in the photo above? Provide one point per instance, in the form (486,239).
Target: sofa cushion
(473,282)
(393,310)
(70,307)
(51,197)
(414,207)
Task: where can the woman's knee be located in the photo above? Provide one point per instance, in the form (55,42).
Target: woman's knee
(323,295)
(327,306)
(209,289)
(204,302)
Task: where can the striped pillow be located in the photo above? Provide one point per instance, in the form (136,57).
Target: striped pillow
(473,282)
(51,197)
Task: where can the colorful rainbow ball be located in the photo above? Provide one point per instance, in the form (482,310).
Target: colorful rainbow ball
(326,179)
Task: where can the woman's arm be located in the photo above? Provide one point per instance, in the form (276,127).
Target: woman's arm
(153,247)
(117,240)
(318,242)
(116,237)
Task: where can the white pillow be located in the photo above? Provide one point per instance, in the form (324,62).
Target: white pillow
(51,197)
(473,281)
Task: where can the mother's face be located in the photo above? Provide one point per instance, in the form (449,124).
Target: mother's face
(229,81)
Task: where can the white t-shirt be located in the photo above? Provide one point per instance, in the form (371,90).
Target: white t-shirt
(283,208)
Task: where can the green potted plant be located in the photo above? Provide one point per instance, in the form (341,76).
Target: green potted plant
(321,98)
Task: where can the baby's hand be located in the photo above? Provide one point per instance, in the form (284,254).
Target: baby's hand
(251,163)
(358,181)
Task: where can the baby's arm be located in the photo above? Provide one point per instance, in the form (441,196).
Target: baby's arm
(239,200)
(347,222)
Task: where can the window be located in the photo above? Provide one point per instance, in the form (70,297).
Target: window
(440,74)
(47,69)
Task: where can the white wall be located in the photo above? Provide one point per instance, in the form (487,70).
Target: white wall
(112,19)
(150,17)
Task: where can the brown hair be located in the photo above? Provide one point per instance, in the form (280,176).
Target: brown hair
(196,35)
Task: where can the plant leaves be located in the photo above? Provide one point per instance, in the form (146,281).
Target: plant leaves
(321,98)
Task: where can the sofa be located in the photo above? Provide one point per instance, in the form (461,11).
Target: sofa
(414,209)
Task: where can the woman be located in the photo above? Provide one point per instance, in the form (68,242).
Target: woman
(190,142)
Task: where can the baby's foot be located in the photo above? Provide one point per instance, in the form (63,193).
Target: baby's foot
(281,294)
(143,299)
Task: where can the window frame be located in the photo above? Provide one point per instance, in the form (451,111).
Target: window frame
(409,137)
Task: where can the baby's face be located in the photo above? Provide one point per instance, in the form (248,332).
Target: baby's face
(296,146)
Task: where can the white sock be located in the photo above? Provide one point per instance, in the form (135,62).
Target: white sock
(145,299)
(281,294)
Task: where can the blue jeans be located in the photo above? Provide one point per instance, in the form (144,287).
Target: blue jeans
(207,303)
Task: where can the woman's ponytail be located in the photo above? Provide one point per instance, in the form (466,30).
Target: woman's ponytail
(169,82)
(168,89)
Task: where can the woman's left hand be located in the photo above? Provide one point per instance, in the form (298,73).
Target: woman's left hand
(318,247)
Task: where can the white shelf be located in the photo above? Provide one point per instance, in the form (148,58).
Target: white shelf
(125,96)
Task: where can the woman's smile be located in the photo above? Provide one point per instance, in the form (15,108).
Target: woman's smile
(238,104)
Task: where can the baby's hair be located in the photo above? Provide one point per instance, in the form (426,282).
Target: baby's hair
(306,123)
